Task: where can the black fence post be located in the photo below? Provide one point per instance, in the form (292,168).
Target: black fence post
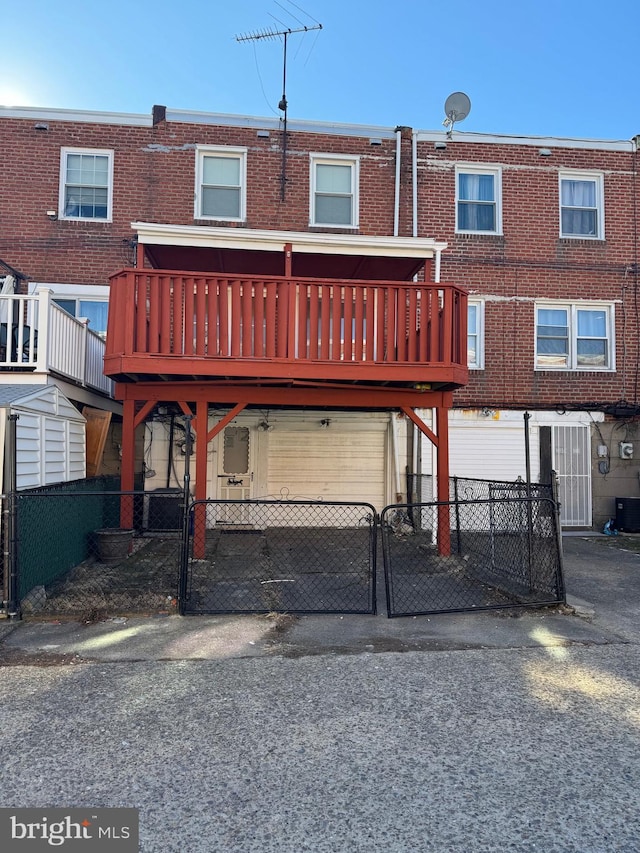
(186,506)
(456,498)
(558,529)
(527,453)
(11,522)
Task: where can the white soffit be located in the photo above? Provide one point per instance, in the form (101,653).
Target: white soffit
(274,241)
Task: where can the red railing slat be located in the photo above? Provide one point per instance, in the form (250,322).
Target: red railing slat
(166,313)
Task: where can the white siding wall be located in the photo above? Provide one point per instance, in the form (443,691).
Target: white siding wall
(331,464)
(50,439)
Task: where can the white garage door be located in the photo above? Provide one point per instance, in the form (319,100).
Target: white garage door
(332,464)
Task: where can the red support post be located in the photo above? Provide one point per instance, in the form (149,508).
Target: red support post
(442,453)
(200,514)
(127,463)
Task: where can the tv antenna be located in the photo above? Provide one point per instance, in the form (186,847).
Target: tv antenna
(456,108)
(271,33)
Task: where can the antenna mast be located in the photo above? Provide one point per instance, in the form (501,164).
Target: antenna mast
(272,34)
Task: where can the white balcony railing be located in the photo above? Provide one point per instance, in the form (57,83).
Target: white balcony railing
(36,335)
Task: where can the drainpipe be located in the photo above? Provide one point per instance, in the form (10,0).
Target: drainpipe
(414,180)
(436,273)
(396,203)
(396,456)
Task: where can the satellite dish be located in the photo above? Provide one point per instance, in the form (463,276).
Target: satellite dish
(456,108)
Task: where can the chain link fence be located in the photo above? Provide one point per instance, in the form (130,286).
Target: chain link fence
(90,554)
(471,555)
(421,489)
(291,556)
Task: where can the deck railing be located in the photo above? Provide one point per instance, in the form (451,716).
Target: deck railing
(36,335)
(168,313)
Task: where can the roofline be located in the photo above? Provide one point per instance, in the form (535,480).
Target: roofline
(308,126)
(153,233)
(86,116)
(271,123)
(536,141)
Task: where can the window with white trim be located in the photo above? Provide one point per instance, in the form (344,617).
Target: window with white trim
(574,336)
(475,334)
(86,184)
(581,205)
(81,300)
(221,185)
(478,200)
(334,191)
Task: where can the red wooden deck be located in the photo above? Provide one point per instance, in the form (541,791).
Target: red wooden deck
(168,325)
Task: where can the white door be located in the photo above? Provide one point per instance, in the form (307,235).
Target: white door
(572,462)
(235,472)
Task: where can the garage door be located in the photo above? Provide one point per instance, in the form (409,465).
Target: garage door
(331,464)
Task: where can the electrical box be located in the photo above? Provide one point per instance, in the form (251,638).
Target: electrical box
(625,450)
(603,451)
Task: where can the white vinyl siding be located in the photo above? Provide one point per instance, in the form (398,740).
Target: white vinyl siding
(221,187)
(331,464)
(50,440)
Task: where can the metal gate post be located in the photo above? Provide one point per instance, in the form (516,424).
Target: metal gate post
(456,498)
(186,506)
(527,451)
(556,511)
(11,523)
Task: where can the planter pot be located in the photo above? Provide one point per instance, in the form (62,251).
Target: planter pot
(114,544)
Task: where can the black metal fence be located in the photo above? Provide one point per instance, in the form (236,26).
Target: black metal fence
(421,489)
(471,555)
(88,553)
(75,558)
(295,556)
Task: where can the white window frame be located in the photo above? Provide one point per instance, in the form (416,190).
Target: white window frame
(481,169)
(598,179)
(478,304)
(335,160)
(77,292)
(203,151)
(572,309)
(101,152)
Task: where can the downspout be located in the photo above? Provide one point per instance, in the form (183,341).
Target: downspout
(414,180)
(396,456)
(396,203)
(436,272)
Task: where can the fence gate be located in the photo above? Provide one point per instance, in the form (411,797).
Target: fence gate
(293,556)
(471,555)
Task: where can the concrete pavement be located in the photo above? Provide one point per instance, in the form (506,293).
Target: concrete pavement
(603,587)
(242,736)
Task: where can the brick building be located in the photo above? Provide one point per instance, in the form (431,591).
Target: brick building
(538,235)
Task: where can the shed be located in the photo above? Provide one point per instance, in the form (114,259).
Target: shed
(50,435)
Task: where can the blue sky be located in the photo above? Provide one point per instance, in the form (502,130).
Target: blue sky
(563,68)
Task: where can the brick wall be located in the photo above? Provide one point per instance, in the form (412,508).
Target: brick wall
(154,181)
(529,261)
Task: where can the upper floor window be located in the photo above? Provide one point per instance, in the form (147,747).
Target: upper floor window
(221,186)
(475,335)
(478,200)
(86,184)
(94,310)
(581,205)
(574,337)
(334,191)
